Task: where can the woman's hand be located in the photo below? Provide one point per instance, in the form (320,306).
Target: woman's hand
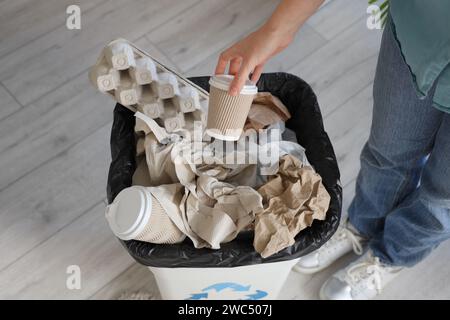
(250,54)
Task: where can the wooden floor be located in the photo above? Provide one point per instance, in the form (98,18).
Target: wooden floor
(54,129)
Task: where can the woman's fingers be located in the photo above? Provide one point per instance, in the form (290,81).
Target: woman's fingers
(222,64)
(240,78)
(257,73)
(239,67)
(235,65)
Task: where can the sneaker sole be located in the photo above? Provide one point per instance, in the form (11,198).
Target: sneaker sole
(321,294)
(308,270)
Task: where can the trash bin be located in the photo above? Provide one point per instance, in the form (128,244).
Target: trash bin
(236,270)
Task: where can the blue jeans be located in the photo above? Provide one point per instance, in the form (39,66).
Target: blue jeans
(402,200)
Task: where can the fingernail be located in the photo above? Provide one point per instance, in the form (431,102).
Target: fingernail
(233,92)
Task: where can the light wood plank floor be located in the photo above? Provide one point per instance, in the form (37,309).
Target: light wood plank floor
(54,129)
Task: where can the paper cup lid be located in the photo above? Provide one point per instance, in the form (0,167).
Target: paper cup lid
(129,212)
(223,81)
(231,135)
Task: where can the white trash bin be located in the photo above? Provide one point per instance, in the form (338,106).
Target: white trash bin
(183,272)
(252,282)
(134,214)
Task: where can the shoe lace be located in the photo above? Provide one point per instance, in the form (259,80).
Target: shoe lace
(370,270)
(346,233)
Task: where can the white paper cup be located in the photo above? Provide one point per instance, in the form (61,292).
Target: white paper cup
(136,214)
(226,113)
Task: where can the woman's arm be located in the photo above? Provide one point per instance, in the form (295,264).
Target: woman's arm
(251,53)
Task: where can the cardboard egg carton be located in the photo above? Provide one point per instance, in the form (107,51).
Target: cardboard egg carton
(139,82)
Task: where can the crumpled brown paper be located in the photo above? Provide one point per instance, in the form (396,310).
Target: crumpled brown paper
(266,109)
(292,199)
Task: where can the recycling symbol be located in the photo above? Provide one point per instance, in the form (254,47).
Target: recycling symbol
(228,290)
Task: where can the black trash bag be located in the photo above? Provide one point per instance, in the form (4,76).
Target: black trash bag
(306,122)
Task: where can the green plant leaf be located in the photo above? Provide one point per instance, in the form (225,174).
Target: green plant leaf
(384,9)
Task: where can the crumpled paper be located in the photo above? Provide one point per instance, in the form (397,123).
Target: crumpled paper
(155,144)
(292,199)
(211,201)
(212,213)
(217,211)
(205,209)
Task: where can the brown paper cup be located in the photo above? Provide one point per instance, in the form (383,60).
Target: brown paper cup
(226,113)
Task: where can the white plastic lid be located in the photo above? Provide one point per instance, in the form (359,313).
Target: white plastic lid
(130,212)
(223,81)
(231,135)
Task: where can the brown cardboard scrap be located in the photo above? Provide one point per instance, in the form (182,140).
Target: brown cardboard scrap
(266,109)
(292,199)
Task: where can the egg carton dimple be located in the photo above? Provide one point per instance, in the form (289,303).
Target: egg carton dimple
(139,82)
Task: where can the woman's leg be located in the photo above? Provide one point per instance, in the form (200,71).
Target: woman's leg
(421,221)
(402,135)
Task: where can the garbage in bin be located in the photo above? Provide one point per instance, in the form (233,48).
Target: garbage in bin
(218,199)
(181,269)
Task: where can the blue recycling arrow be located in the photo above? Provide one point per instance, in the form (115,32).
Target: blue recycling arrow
(225,285)
(256,296)
(198,296)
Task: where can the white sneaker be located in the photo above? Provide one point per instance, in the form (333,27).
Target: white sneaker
(361,280)
(342,242)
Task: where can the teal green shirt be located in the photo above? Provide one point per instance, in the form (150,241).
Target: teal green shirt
(422,28)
